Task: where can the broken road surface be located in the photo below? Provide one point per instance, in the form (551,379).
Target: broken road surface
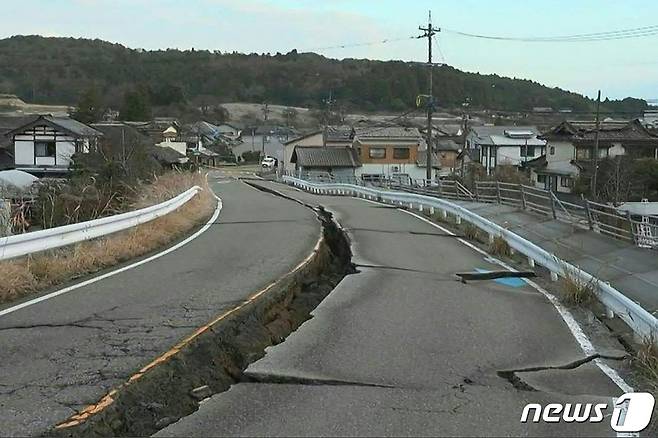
(402,348)
(64,353)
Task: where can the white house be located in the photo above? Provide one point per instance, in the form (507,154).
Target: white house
(570,150)
(46,145)
(505,145)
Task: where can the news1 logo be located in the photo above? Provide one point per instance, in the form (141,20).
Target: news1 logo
(631,413)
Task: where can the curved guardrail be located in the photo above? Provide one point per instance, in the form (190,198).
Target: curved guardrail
(22,244)
(637,318)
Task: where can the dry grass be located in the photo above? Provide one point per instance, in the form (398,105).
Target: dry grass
(577,292)
(23,276)
(646,360)
(471,232)
(499,247)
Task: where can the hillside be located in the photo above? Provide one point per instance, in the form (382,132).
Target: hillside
(58,70)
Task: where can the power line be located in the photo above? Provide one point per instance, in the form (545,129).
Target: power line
(637,32)
(361,44)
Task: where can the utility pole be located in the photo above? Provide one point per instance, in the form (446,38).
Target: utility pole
(596,144)
(265,108)
(328,102)
(429,32)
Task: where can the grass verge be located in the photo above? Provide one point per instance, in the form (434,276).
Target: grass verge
(26,275)
(646,361)
(499,247)
(577,292)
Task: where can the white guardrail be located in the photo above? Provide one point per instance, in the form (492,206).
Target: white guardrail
(643,323)
(22,244)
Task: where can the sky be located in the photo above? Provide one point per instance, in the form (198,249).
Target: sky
(621,68)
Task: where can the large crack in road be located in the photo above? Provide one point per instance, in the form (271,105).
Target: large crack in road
(217,359)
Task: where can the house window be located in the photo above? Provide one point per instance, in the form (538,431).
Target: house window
(44,149)
(377,152)
(541,179)
(566,182)
(527,151)
(583,154)
(552,150)
(401,153)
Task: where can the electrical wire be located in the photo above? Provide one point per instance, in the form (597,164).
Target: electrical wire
(361,44)
(637,32)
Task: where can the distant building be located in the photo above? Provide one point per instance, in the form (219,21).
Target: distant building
(46,144)
(336,136)
(570,150)
(391,153)
(505,145)
(325,162)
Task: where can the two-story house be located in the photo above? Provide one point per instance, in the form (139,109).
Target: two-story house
(571,146)
(45,145)
(392,153)
(505,145)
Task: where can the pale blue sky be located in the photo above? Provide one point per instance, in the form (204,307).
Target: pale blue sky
(620,68)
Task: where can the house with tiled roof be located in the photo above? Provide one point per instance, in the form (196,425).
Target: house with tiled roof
(571,144)
(336,162)
(392,152)
(505,145)
(46,144)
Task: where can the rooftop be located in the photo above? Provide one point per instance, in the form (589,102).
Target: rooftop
(309,156)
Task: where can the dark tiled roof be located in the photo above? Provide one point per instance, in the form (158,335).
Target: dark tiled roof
(67,124)
(447,145)
(325,157)
(165,154)
(608,131)
(73,126)
(114,134)
(388,132)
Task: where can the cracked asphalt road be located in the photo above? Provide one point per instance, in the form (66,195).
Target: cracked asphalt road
(64,353)
(400,349)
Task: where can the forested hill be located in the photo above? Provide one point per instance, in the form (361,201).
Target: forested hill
(58,70)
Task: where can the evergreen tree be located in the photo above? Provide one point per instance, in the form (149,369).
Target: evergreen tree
(89,108)
(136,105)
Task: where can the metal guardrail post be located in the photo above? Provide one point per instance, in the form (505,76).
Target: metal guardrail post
(630,224)
(477,191)
(523,205)
(498,192)
(440,187)
(552,195)
(590,221)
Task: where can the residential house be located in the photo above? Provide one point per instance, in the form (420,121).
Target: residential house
(7,124)
(230,131)
(505,145)
(571,150)
(390,153)
(121,142)
(317,162)
(336,136)
(46,144)
(447,151)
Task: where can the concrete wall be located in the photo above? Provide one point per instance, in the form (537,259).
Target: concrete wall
(388,170)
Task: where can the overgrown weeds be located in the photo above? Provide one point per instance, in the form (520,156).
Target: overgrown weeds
(471,232)
(43,270)
(646,361)
(575,291)
(499,247)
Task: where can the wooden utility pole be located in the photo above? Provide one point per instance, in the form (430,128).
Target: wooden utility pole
(596,144)
(328,102)
(429,32)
